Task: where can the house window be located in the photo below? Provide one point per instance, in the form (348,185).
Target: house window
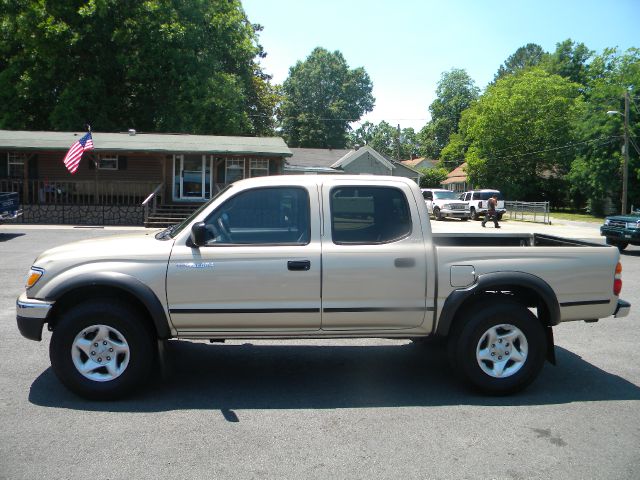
(15,164)
(259,168)
(234,170)
(108,162)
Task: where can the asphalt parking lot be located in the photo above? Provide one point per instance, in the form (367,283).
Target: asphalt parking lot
(324,409)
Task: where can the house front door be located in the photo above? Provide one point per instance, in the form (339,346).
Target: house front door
(193,177)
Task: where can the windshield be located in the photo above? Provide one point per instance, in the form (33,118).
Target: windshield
(448,195)
(173,230)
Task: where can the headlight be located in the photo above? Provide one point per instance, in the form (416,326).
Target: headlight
(633,225)
(607,221)
(33,276)
(447,206)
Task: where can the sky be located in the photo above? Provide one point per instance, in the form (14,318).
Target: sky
(406,45)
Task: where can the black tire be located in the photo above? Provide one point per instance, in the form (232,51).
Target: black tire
(118,318)
(499,216)
(621,245)
(471,331)
(464,219)
(474,214)
(436,213)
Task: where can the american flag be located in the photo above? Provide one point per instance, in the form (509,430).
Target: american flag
(73,156)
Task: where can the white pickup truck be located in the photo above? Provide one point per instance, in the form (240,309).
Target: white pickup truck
(285,257)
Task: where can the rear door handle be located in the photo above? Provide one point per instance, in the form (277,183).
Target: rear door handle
(299,265)
(404,262)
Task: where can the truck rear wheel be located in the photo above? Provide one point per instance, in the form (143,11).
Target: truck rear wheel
(498,349)
(474,214)
(101,350)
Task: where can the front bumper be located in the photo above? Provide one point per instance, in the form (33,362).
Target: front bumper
(622,309)
(445,212)
(31,316)
(629,235)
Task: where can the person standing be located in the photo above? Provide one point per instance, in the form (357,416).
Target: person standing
(492,203)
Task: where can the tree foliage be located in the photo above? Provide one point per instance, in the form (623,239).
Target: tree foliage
(455,93)
(385,139)
(527,56)
(432,177)
(596,173)
(518,131)
(156,65)
(321,97)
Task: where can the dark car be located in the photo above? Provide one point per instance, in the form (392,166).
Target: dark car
(622,230)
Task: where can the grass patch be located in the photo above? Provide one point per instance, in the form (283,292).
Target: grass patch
(577,217)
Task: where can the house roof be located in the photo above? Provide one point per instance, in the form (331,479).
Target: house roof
(146,142)
(315,157)
(355,154)
(415,162)
(457,175)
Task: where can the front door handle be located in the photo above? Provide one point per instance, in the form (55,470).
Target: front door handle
(404,262)
(299,265)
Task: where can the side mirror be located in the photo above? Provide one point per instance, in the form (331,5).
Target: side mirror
(199,234)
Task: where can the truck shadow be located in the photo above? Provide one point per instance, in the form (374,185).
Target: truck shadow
(246,376)
(5,237)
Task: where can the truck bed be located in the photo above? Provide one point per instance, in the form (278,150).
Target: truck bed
(507,240)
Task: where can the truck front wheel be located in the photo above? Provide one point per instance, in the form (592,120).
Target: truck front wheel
(499,349)
(101,350)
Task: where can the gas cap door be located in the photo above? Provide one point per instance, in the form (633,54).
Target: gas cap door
(462,275)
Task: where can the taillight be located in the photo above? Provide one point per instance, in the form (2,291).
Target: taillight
(617,280)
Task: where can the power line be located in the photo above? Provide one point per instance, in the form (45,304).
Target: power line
(569,145)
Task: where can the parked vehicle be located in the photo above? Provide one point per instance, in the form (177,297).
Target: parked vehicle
(313,257)
(477,202)
(444,203)
(9,206)
(622,230)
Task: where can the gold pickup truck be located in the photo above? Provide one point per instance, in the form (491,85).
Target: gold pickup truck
(286,257)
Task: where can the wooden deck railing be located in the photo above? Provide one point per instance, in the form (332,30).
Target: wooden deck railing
(79,192)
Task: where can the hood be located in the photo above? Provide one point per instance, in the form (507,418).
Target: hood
(114,248)
(624,218)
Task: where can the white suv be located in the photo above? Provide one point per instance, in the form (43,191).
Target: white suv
(444,203)
(476,201)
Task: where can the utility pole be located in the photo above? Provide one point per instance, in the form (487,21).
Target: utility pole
(398,154)
(625,165)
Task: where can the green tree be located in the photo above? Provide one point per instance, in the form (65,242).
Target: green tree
(520,134)
(570,60)
(155,65)
(455,92)
(432,177)
(321,97)
(527,56)
(384,139)
(596,173)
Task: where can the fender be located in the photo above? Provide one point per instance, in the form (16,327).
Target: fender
(490,281)
(125,282)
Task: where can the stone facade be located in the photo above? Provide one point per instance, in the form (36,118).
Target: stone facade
(82,214)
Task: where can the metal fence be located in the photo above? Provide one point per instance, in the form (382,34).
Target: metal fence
(528,211)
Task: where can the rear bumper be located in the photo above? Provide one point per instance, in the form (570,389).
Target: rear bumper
(622,309)
(31,316)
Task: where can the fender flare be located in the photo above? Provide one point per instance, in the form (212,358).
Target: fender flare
(124,282)
(498,279)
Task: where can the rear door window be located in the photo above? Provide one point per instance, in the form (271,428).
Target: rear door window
(368,215)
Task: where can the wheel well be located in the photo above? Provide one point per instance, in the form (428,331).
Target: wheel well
(101,292)
(524,296)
